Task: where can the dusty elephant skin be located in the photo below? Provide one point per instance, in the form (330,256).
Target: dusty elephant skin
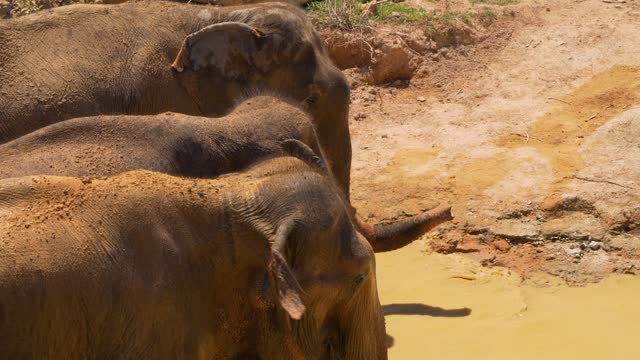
(264,264)
(153,57)
(170,143)
(189,146)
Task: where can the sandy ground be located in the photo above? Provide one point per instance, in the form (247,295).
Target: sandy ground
(534,142)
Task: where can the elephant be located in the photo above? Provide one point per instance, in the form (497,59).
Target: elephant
(190,146)
(150,57)
(176,144)
(261,264)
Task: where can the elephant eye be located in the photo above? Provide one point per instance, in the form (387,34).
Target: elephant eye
(311,99)
(359,279)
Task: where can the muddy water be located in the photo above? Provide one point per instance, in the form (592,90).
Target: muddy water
(449,307)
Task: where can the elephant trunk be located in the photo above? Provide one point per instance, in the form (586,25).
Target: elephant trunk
(392,236)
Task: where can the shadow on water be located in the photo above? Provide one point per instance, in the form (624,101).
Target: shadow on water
(389,341)
(422,309)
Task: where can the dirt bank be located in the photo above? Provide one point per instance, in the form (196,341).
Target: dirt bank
(393,48)
(532,138)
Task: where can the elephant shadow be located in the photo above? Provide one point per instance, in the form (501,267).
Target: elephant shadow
(422,309)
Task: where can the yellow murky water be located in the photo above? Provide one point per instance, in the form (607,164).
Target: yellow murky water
(449,307)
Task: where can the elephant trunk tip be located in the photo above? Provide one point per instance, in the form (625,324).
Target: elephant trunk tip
(395,235)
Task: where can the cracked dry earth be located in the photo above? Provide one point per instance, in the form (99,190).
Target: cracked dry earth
(535,142)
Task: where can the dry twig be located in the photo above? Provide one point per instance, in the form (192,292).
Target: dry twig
(562,101)
(526,136)
(599,181)
(598,113)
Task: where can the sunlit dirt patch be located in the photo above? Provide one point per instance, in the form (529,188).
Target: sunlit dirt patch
(557,135)
(518,189)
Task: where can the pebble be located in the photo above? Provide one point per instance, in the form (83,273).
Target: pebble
(501,245)
(360,116)
(421,99)
(595,245)
(574,252)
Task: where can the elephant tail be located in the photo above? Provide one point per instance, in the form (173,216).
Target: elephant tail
(397,234)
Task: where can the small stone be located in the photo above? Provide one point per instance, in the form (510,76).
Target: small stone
(595,245)
(442,246)
(395,14)
(577,253)
(501,245)
(360,116)
(373,91)
(551,257)
(421,99)
(469,243)
(488,261)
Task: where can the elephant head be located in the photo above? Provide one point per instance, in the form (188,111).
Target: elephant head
(336,268)
(227,61)
(269,50)
(310,224)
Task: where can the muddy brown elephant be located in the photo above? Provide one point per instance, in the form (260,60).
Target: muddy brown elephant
(151,57)
(189,146)
(265,264)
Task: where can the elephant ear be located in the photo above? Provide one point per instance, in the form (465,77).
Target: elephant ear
(302,151)
(224,46)
(288,288)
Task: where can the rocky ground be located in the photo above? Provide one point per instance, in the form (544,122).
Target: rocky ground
(528,127)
